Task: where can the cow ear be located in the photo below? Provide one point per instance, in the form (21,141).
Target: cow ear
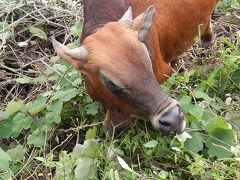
(76,57)
(146,23)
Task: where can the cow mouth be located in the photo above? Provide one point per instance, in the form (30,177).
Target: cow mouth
(170,120)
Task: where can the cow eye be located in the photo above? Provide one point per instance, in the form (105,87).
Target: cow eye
(112,86)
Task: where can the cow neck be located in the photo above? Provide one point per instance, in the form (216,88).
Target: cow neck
(99,12)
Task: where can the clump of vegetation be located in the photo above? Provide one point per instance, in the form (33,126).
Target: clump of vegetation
(50,128)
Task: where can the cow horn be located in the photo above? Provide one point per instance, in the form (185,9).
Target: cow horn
(76,59)
(127,17)
(79,53)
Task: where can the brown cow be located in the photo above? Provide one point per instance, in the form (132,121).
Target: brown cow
(121,71)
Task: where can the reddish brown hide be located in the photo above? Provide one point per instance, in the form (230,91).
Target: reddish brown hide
(174,28)
(123,62)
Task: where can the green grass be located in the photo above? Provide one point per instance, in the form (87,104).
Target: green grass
(51,129)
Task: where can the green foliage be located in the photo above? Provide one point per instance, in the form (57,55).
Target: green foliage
(4,159)
(14,106)
(20,122)
(195,144)
(151,144)
(37,105)
(38,32)
(42,132)
(76,29)
(85,169)
(23,80)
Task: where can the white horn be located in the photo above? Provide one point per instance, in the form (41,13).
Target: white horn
(79,53)
(127,17)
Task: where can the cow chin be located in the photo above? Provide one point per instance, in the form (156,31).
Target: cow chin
(170,120)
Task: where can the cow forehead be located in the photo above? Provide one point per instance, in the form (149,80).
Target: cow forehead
(113,33)
(116,51)
(116,41)
(110,55)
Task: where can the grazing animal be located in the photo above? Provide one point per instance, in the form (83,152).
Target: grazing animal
(124,57)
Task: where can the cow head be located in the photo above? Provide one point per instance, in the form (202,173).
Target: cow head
(119,70)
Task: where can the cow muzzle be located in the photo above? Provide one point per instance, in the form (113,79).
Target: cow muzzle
(171,120)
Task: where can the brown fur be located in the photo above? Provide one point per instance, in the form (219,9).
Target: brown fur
(174,29)
(115,51)
(97,13)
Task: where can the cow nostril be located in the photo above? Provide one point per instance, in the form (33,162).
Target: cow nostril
(172,120)
(166,124)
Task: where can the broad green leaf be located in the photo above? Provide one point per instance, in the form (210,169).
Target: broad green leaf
(77,82)
(20,122)
(55,106)
(37,138)
(23,80)
(183,136)
(51,117)
(40,79)
(217,123)
(65,167)
(38,32)
(17,154)
(54,59)
(87,149)
(4,160)
(15,168)
(185,101)
(87,99)
(92,108)
(14,106)
(91,134)
(195,144)
(54,114)
(76,29)
(163,175)
(67,110)
(200,94)
(59,67)
(4,115)
(220,142)
(47,94)
(6,128)
(37,105)
(151,144)
(236,77)
(207,118)
(66,95)
(86,169)
(197,111)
